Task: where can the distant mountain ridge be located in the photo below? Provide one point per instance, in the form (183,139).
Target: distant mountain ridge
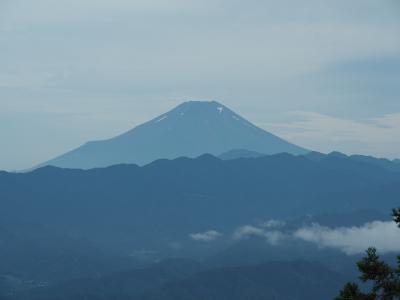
(240,153)
(189,130)
(392,165)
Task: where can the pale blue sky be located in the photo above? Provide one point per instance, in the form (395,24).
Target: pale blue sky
(323,74)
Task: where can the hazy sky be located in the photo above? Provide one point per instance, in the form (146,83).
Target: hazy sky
(323,74)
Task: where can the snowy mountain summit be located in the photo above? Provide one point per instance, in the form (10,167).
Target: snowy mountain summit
(191,129)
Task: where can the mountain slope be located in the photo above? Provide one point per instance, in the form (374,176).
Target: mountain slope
(120,285)
(290,280)
(191,129)
(34,253)
(275,280)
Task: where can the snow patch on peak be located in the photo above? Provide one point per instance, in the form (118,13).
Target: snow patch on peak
(160,119)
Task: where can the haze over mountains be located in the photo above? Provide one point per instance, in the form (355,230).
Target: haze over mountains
(114,185)
(190,130)
(195,204)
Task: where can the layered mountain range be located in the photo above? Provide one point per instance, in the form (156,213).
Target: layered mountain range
(197,203)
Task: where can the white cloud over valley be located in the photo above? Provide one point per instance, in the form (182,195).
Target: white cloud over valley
(207,236)
(273,237)
(385,236)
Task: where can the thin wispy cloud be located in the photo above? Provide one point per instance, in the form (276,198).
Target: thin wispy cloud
(326,133)
(273,237)
(207,236)
(273,224)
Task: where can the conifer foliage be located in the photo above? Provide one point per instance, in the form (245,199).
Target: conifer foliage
(383,279)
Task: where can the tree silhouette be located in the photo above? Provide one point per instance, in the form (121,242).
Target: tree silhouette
(384,279)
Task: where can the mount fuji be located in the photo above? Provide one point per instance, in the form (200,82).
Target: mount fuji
(191,129)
